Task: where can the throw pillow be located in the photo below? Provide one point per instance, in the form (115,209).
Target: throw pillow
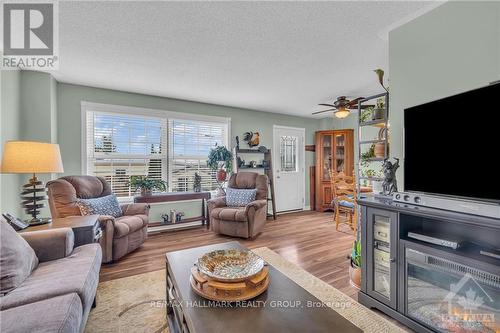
(17,258)
(239,197)
(107,205)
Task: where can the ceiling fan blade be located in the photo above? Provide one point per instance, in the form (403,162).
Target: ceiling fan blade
(317,112)
(354,101)
(327,105)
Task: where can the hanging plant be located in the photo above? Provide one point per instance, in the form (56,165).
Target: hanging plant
(220,159)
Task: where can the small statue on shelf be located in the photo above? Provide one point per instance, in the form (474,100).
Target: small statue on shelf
(197,182)
(237,143)
(390,184)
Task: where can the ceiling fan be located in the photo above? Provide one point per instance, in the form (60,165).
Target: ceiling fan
(342,106)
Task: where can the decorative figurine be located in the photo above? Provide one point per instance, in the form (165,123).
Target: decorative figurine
(240,162)
(390,184)
(252,139)
(197,182)
(178,216)
(237,143)
(165,218)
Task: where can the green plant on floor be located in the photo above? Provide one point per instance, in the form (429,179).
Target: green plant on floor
(146,184)
(356,254)
(220,154)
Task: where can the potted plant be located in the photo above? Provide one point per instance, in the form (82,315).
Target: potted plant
(147,185)
(355,265)
(220,159)
(379,111)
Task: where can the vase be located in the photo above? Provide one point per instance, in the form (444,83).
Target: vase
(377,187)
(355,276)
(146,192)
(379,150)
(378,114)
(221,175)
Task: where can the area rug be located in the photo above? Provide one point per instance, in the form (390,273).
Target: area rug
(135,304)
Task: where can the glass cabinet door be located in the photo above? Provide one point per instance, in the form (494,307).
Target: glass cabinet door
(381,252)
(339,153)
(326,146)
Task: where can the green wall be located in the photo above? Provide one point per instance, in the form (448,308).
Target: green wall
(451,49)
(69,97)
(29,112)
(10,130)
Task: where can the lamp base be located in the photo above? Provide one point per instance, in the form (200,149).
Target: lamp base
(38,221)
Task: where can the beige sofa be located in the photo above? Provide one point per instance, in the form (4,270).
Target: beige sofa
(244,222)
(58,294)
(122,235)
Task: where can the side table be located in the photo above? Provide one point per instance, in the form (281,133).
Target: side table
(87,229)
(178,196)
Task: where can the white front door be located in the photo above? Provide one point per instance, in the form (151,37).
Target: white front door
(288,168)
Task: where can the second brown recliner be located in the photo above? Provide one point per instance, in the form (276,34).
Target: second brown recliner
(245,222)
(122,235)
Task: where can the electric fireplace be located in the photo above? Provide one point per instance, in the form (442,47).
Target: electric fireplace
(450,296)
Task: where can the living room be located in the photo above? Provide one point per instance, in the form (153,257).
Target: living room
(249,166)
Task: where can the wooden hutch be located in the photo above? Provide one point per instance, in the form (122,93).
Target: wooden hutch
(334,151)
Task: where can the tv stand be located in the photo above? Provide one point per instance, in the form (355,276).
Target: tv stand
(408,279)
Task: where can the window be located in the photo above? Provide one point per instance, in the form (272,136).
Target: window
(122,142)
(191,142)
(288,153)
(122,145)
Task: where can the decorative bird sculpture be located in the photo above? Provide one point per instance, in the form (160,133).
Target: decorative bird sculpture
(380,74)
(251,138)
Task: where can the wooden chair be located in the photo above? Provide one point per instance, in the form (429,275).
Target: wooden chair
(344,199)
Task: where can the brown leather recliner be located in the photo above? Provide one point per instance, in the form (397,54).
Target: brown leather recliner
(245,222)
(121,235)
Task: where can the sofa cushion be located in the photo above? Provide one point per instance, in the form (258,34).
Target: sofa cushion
(17,258)
(77,273)
(127,224)
(61,314)
(239,197)
(229,214)
(107,205)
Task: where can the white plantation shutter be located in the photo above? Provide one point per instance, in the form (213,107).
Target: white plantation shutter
(190,143)
(124,144)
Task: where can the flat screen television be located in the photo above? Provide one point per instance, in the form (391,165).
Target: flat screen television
(452,146)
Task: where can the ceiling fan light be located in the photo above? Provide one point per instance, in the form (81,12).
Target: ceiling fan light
(341,113)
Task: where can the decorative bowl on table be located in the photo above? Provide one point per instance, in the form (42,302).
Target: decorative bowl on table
(231,265)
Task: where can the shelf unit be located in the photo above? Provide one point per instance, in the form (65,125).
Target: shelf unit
(268,171)
(364,142)
(334,152)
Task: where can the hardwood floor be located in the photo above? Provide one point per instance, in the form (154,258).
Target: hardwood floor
(308,239)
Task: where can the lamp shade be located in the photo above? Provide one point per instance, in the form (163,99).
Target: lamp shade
(31,157)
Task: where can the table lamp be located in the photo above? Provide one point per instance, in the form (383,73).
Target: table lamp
(32,157)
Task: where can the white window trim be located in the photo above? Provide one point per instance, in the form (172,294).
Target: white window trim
(147,112)
(132,110)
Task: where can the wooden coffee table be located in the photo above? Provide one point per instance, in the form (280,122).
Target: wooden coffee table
(284,307)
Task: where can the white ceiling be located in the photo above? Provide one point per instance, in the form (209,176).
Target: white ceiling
(281,57)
